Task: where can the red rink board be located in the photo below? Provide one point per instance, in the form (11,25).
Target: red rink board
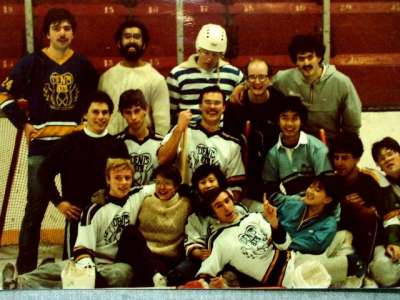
(364,35)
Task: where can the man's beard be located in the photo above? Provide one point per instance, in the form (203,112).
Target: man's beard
(129,55)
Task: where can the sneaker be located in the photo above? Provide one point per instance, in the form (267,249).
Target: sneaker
(9,282)
(352,282)
(159,280)
(369,283)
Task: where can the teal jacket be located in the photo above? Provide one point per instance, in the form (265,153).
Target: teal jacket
(310,236)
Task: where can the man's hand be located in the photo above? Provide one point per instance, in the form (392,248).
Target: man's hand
(354,198)
(30,132)
(218,283)
(238,94)
(71,212)
(394,252)
(183,120)
(201,253)
(270,213)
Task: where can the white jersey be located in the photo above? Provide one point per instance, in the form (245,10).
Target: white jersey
(101,226)
(143,155)
(119,78)
(247,245)
(217,148)
(198,229)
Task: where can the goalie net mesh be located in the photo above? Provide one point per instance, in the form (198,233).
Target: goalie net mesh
(52,230)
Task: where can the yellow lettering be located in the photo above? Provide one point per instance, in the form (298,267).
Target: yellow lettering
(109,10)
(395,7)
(203,8)
(153,10)
(61,89)
(65,79)
(108,63)
(8,9)
(154,61)
(301,8)
(346,7)
(248,8)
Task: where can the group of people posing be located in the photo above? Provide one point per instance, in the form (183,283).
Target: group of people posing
(231,179)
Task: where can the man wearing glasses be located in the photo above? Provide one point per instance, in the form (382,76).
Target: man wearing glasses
(330,97)
(260,101)
(202,69)
(385,267)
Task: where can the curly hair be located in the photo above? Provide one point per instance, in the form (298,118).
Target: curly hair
(303,43)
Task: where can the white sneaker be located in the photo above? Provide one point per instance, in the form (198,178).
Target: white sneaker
(159,280)
(352,282)
(369,283)
(9,283)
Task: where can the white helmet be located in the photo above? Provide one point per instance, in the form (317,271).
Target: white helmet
(212,37)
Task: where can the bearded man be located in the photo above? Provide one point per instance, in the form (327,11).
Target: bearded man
(132,72)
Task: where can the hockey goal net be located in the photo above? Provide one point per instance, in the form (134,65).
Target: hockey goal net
(13,190)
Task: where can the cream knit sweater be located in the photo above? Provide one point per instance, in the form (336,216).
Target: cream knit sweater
(162,223)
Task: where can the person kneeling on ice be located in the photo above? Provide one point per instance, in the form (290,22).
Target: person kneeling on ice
(99,231)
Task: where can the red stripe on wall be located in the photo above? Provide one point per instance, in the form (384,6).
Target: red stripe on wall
(112,9)
(381,59)
(248,7)
(375,7)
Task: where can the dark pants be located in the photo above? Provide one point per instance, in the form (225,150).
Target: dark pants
(35,209)
(185,271)
(29,236)
(70,235)
(133,250)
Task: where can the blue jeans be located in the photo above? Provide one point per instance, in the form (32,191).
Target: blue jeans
(35,209)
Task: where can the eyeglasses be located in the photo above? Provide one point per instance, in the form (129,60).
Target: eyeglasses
(260,77)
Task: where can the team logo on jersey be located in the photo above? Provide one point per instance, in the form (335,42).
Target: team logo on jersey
(61,91)
(143,167)
(255,243)
(202,155)
(114,230)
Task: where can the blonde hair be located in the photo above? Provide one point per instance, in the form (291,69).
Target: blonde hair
(118,163)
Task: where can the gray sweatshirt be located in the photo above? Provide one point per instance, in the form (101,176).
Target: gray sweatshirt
(332,101)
